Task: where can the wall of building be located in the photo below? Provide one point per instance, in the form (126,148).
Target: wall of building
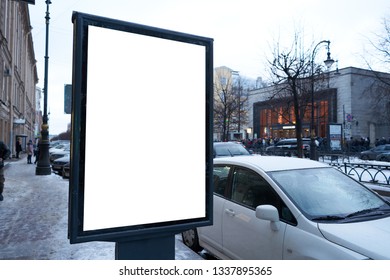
(18,73)
(354,103)
(357,98)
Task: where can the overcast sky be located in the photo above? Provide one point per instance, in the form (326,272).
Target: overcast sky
(244,32)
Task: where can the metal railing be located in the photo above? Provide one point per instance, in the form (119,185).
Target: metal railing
(365,172)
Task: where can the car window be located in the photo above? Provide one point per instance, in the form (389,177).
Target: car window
(283,142)
(230,150)
(220,177)
(252,190)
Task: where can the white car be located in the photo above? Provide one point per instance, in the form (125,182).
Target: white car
(290,208)
(59,148)
(59,154)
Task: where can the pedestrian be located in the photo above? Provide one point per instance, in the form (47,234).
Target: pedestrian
(4,154)
(30,151)
(18,147)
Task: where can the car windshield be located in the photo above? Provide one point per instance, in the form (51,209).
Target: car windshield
(325,195)
(230,150)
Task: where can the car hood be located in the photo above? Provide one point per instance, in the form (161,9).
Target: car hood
(369,238)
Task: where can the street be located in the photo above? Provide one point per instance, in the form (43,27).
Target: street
(34,220)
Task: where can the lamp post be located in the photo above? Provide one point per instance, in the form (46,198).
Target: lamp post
(237,74)
(43,165)
(328,63)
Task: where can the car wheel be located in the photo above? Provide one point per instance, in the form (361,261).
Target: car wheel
(364,157)
(191,239)
(384,159)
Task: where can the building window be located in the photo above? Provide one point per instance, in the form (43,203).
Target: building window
(280,122)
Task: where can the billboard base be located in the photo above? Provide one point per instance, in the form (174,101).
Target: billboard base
(156,248)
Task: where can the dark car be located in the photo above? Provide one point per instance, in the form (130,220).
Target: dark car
(373,153)
(288,147)
(383,157)
(66,171)
(230,149)
(58,164)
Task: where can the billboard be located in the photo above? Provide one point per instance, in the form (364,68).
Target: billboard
(141,157)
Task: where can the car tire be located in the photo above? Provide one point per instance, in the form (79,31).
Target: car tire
(364,157)
(191,239)
(385,159)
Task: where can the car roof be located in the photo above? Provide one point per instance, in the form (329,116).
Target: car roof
(271,163)
(293,139)
(226,143)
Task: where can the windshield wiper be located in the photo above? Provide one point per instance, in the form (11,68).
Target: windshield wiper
(328,218)
(371,211)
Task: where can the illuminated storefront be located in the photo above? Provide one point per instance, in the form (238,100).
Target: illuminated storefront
(277,120)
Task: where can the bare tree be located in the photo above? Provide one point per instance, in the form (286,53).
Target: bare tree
(382,46)
(294,75)
(240,105)
(381,85)
(230,102)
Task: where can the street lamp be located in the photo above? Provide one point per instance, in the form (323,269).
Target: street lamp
(328,63)
(43,165)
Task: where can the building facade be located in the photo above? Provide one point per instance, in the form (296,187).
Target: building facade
(19,103)
(348,97)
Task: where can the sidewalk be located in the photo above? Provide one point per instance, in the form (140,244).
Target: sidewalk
(34,220)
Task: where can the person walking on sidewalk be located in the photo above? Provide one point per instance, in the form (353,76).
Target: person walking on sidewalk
(18,147)
(4,154)
(30,151)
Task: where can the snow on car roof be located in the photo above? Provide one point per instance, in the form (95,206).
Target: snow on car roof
(271,163)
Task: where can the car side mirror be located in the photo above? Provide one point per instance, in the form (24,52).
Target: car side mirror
(269,213)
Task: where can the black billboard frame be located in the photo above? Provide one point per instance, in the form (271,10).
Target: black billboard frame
(134,236)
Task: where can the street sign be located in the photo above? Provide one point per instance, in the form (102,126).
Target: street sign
(131,84)
(19,121)
(68,99)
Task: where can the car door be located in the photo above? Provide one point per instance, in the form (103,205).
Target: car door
(212,235)
(245,236)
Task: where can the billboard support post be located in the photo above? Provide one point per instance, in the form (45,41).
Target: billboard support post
(157,248)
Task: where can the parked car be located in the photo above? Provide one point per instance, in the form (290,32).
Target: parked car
(288,147)
(291,208)
(59,148)
(372,154)
(57,164)
(383,157)
(229,149)
(59,154)
(54,144)
(66,170)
